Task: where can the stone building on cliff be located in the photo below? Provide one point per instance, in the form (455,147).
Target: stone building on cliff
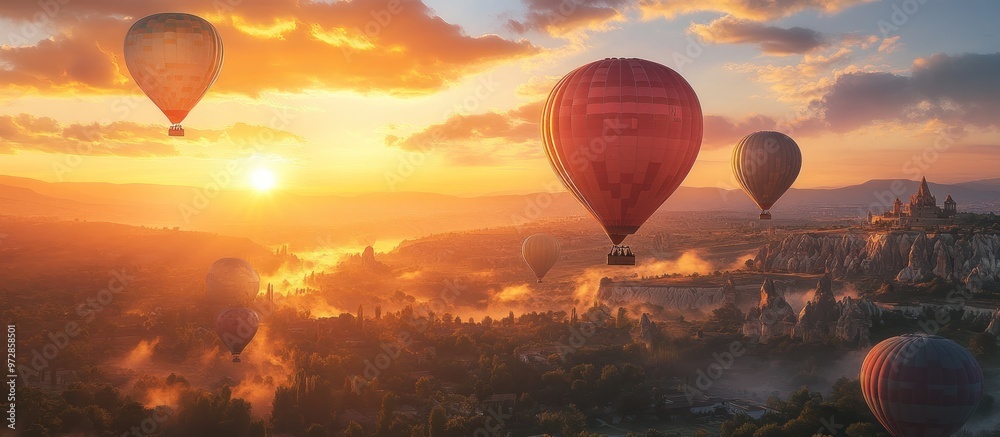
(922,210)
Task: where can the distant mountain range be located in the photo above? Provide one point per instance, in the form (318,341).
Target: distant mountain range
(410,213)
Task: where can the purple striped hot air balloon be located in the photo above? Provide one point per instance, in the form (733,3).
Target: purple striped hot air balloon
(921,385)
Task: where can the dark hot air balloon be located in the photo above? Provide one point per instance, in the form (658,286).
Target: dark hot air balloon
(174,58)
(622,134)
(236,327)
(921,385)
(766,164)
(540,252)
(231,281)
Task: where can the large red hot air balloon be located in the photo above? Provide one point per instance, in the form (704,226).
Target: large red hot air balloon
(174,58)
(540,252)
(766,164)
(921,385)
(236,327)
(622,134)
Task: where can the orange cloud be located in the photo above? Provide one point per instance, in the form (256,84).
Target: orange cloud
(480,138)
(24,132)
(802,82)
(394,46)
(749,9)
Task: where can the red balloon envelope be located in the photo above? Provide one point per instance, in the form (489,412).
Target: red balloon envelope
(921,385)
(236,327)
(622,134)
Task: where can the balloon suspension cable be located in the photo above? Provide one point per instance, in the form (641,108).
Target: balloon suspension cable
(176,130)
(621,256)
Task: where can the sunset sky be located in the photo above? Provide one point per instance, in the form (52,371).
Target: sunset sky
(331,101)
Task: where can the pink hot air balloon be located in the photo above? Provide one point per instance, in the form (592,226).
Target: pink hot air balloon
(236,327)
(921,385)
(174,58)
(622,134)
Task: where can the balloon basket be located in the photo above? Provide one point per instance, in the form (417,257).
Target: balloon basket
(175,131)
(621,256)
(236,359)
(621,260)
(765,215)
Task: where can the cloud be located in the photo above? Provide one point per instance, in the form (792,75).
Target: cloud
(758,10)
(957,89)
(723,131)
(810,78)
(24,132)
(562,18)
(771,40)
(480,138)
(397,47)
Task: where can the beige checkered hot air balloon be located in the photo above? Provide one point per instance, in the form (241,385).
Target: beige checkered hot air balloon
(174,58)
(540,252)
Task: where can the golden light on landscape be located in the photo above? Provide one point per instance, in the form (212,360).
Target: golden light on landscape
(433,217)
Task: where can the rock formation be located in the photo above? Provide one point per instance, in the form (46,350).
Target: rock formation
(818,319)
(368,259)
(647,329)
(774,316)
(905,256)
(994,327)
(856,315)
(751,324)
(729,292)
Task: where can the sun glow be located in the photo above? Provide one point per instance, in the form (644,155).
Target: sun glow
(263,179)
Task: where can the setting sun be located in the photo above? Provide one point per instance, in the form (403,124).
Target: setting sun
(263,179)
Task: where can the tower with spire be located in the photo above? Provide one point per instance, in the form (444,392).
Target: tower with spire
(923,204)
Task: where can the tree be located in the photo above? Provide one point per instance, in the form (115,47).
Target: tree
(361,317)
(982,345)
(354,430)
(437,421)
(384,420)
(729,318)
(770,430)
(864,429)
(317,430)
(745,430)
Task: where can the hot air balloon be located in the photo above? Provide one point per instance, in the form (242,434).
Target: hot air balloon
(622,134)
(174,58)
(540,252)
(921,385)
(766,164)
(231,281)
(236,327)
